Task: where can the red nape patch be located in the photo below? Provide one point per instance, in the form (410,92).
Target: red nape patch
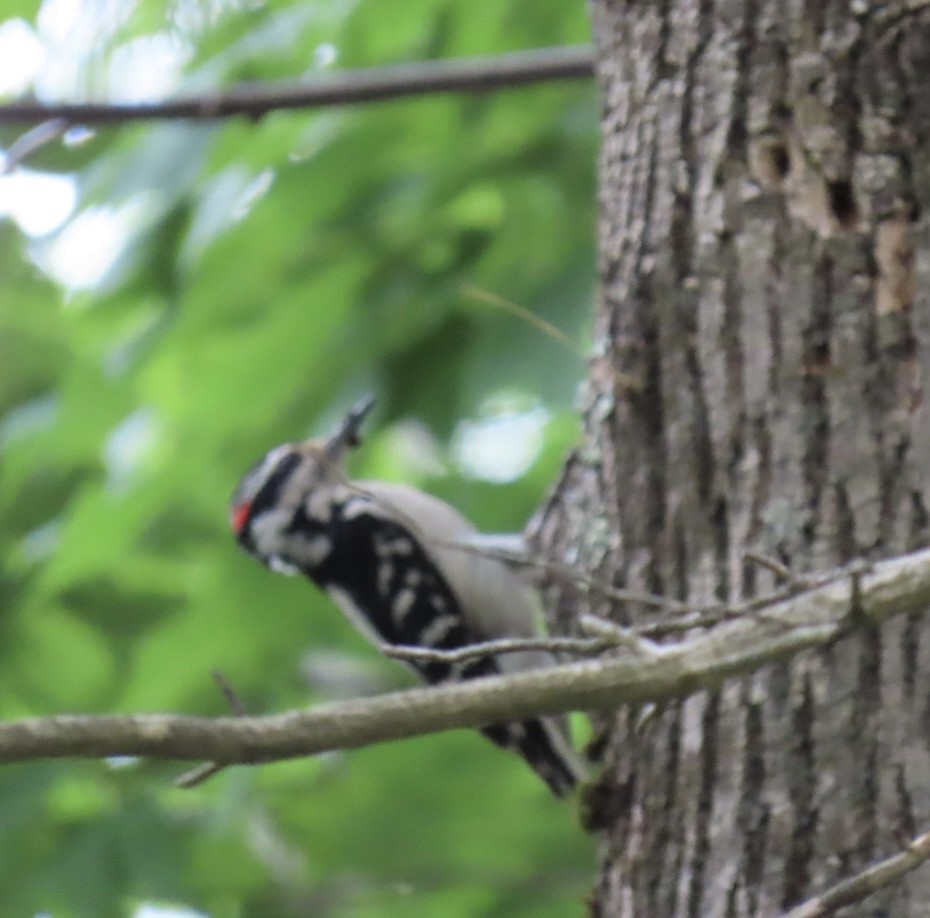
(239,516)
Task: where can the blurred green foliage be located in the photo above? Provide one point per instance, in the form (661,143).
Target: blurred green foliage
(262,275)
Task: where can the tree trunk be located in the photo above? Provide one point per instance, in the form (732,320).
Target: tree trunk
(762,345)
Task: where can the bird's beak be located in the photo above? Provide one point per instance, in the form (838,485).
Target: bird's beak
(347,435)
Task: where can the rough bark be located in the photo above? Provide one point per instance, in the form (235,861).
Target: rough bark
(762,346)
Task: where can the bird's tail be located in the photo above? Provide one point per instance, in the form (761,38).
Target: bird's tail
(545,748)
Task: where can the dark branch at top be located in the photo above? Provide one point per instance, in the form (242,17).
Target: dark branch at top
(478,74)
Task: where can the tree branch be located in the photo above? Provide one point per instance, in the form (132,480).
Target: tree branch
(34,139)
(871,880)
(207,770)
(816,616)
(518,558)
(587,647)
(479,74)
(604,635)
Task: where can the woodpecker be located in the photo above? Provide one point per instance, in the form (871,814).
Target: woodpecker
(387,555)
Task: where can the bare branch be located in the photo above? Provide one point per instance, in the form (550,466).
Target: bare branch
(229,693)
(872,879)
(479,74)
(689,621)
(606,590)
(617,636)
(580,646)
(199,775)
(781,571)
(34,139)
(208,769)
(818,615)
(709,616)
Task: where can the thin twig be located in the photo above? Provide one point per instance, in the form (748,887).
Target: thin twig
(617,635)
(569,645)
(199,774)
(781,571)
(526,315)
(689,618)
(477,74)
(871,880)
(711,616)
(34,139)
(235,702)
(690,621)
(624,380)
(208,769)
(518,559)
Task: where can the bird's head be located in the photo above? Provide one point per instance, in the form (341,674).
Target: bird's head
(284,482)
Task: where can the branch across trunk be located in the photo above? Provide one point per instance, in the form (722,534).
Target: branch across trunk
(818,615)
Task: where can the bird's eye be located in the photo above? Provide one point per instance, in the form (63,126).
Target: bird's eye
(251,498)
